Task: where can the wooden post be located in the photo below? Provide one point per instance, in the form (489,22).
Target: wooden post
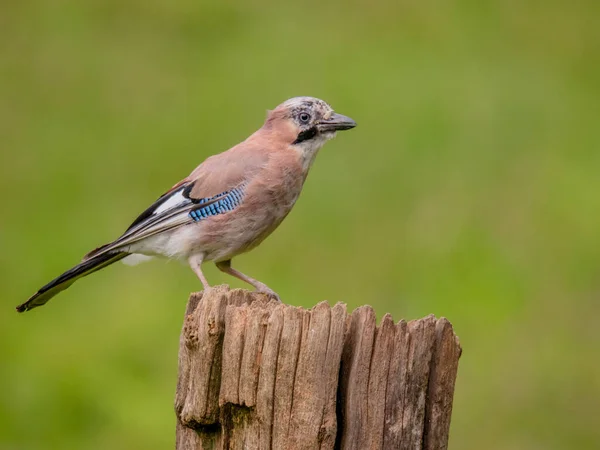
(258,374)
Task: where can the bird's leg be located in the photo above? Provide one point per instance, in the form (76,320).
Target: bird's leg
(225,266)
(196,263)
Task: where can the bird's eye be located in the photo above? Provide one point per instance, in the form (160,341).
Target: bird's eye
(304,117)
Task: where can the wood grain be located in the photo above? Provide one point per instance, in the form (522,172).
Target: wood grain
(259,374)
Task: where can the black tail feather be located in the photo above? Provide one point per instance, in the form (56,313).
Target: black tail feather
(65,280)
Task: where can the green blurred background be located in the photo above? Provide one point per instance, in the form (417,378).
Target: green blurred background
(470,190)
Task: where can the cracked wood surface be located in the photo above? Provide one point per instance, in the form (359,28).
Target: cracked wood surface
(258,374)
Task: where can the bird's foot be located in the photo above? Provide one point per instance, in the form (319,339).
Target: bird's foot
(264,289)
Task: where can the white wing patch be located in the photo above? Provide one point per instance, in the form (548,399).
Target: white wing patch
(175,199)
(136,258)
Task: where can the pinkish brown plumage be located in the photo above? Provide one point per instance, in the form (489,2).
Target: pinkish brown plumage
(228,205)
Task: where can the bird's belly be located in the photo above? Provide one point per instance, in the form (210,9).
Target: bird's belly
(222,236)
(227,237)
(217,238)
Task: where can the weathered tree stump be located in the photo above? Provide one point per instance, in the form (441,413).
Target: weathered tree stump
(258,374)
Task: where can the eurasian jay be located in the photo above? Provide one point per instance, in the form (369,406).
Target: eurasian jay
(228,205)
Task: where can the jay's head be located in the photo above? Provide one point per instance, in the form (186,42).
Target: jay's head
(307,123)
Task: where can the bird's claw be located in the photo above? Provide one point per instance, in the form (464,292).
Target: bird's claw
(269,293)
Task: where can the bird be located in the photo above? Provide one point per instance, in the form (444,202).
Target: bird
(227,205)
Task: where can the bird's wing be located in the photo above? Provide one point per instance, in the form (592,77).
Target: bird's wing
(217,185)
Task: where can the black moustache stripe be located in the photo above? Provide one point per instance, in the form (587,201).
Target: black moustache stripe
(306,135)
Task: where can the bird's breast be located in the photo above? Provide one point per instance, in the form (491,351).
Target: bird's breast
(267,200)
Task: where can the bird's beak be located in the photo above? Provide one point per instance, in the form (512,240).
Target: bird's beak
(337,122)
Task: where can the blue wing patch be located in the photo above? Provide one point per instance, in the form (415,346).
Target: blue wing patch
(228,201)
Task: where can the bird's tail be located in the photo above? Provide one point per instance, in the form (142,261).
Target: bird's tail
(65,280)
